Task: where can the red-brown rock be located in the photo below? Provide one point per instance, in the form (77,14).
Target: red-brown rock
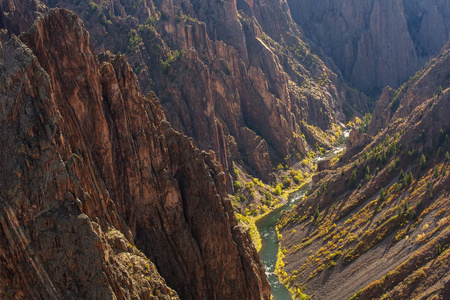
(91,167)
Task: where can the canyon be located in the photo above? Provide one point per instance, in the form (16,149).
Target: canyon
(234,76)
(376,223)
(140,140)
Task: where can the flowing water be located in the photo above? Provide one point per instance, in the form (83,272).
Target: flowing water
(268,253)
(266,226)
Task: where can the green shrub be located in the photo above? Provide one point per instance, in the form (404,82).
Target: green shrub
(335,255)
(286,181)
(331,264)
(277,190)
(227,69)
(250,185)
(241,198)
(364,125)
(409,179)
(422,163)
(436,171)
(237,185)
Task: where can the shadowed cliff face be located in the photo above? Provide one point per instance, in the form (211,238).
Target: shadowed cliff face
(376,43)
(427,83)
(19,15)
(229,74)
(428,25)
(91,167)
(382,227)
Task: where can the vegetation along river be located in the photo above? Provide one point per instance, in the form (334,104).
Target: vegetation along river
(266,227)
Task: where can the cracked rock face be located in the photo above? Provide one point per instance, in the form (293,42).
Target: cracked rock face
(99,196)
(376,43)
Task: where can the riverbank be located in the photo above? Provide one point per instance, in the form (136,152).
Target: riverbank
(270,251)
(250,221)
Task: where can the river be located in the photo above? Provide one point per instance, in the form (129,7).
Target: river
(268,253)
(266,227)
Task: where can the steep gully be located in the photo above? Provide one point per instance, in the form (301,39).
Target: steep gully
(267,228)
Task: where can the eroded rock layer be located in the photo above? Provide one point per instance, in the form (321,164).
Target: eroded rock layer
(91,170)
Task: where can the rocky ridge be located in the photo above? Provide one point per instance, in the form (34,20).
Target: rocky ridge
(99,195)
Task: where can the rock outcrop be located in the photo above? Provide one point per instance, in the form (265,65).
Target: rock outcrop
(376,43)
(428,24)
(100,197)
(356,139)
(382,114)
(19,15)
(323,165)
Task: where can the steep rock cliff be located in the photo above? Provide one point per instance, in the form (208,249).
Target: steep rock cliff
(376,43)
(427,83)
(91,168)
(223,68)
(428,24)
(19,15)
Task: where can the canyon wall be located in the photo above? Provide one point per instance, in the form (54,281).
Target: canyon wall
(229,74)
(376,43)
(376,224)
(100,197)
(426,84)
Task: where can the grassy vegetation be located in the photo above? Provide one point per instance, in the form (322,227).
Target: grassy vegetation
(413,272)
(389,190)
(171,57)
(295,290)
(253,230)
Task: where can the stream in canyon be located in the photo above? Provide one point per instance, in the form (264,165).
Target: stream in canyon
(268,253)
(266,227)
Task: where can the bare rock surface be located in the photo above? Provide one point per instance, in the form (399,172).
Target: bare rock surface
(221,66)
(376,43)
(91,170)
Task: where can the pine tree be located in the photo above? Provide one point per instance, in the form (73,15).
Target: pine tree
(436,171)
(422,162)
(382,195)
(353,179)
(316,214)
